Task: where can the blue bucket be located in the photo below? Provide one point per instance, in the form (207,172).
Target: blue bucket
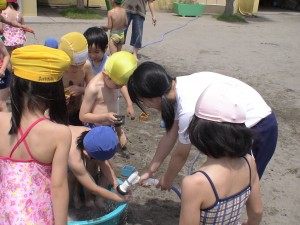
(111,218)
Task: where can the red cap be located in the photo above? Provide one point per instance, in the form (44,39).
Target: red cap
(11,0)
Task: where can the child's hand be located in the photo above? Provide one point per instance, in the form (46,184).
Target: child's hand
(130,112)
(75,90)
(2,73)
(111,117)
(153,21)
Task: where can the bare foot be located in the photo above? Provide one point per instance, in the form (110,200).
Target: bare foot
(122,139)
(136,57)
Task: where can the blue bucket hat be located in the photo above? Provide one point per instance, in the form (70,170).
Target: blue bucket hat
(101,143)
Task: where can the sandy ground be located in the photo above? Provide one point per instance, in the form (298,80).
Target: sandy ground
(263,53)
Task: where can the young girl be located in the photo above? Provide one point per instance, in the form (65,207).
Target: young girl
(5,77)
(151,86)
(14,36)
(34,149)
(217,192)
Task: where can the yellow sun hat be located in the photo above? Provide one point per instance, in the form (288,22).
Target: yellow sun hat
(120,67)
(39,63)
(2,4)
(76,46)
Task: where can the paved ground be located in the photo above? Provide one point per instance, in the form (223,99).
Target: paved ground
(263,53)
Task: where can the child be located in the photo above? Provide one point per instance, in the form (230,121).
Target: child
(77,76)
(99,105)
(14,37)
(51,42)
(5,77)
(117,23)
(34,149)
(3,5)
(98,144)
(228,180)
(97,45)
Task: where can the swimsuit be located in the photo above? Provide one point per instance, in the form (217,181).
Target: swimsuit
(25,187)
(227,210)
(117,36)
(14,37)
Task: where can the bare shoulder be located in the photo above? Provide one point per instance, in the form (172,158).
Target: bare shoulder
(87,64)
(252,163)
(192,182)
(60,129)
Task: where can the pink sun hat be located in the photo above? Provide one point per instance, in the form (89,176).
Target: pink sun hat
(221,102)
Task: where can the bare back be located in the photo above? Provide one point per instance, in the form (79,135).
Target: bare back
(43,139)
(118,18)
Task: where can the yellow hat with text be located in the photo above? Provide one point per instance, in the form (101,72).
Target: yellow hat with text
(39,63)
(76,46)
(120,67)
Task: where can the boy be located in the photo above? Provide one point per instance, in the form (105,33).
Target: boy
(97,45)
(117,23)
(77,76)
(98,144)
(99,105)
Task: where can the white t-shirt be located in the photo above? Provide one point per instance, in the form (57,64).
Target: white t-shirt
(190,87)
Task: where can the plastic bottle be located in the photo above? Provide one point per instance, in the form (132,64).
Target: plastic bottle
(151,181)
(132,179)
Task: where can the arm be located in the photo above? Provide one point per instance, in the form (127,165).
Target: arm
(11,23)
(109,173)
(77,166)
(130,109)
(5,60)
(178,159)
(109,21)
(254,204)
(152,10)
(59,181)
(165,146)
(191,201)
(88,71)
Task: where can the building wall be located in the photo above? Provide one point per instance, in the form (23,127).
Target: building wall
(29,7)
(159,4)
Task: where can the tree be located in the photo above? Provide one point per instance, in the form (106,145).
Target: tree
(229,7)
(80,4)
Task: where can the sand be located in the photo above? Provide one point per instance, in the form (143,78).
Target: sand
(263,53)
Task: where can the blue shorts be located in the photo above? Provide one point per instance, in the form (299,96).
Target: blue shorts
(5,81)
(137,29)
(264,147)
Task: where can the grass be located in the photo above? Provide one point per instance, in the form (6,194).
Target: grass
(235,18)
(85,14)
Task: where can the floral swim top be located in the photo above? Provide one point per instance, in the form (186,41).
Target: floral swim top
(25,196)
(14,37)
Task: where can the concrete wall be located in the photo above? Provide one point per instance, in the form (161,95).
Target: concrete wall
(28,7)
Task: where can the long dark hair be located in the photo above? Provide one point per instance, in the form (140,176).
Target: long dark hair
(151,80)
(38,96)
(220,139)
